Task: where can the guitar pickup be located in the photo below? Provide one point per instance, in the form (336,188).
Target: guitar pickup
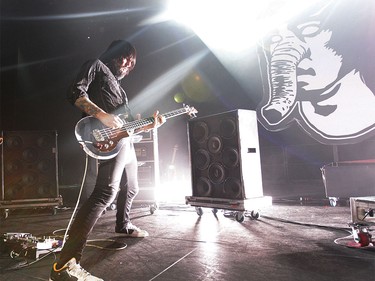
(97,135)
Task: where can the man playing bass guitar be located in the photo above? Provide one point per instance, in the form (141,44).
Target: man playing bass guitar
(97,92)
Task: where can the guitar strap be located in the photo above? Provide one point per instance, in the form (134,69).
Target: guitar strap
(124,108)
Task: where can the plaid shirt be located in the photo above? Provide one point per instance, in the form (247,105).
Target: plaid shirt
(96,81)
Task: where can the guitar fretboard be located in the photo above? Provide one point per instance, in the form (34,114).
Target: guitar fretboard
(147,121)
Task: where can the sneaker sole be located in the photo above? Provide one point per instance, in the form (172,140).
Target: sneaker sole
(131,235)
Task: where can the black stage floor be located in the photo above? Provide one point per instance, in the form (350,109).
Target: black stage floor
(290,240)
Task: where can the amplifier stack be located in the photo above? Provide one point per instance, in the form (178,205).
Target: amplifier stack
(29,170)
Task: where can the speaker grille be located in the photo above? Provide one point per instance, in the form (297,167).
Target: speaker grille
(30,165)
(200,132)
(202,159)
(224,155)
(215,144)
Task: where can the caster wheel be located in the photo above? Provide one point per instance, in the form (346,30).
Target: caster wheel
(153,208)
(6,213)
(254,215)
(333,201)
(214,211)
(199,211)
(112,207)
(240,217)
(54,211)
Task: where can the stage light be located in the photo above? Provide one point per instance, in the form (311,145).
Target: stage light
(231,28)
(217,23)
(179,97)
(233,24)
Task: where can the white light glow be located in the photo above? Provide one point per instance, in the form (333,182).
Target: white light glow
(153,92)
(233,25)
(216,22)
(231,28)
(173,190)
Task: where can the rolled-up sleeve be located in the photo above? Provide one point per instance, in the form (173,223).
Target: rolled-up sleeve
(96,81)
(79,87)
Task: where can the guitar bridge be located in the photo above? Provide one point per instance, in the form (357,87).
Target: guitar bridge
(98,135)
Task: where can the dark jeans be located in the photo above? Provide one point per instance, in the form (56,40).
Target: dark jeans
(117,175)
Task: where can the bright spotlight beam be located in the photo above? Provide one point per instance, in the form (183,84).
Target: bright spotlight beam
(73,16)
(171,45)
(233,25)
(231,28)
(153,93)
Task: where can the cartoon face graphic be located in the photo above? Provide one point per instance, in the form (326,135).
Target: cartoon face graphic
(312,71)
(309,79)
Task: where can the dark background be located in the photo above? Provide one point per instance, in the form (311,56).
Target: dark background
(43,44)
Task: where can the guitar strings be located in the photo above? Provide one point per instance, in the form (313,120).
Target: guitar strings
(108,132)
(126,127)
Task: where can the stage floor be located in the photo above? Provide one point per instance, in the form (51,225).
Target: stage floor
(291,240)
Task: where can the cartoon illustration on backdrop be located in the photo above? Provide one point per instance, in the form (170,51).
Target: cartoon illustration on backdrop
(319,71)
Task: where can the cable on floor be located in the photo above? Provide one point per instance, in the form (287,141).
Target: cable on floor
(307,224)
(90,243)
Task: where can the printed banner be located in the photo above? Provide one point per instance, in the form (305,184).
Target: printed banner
(318,71)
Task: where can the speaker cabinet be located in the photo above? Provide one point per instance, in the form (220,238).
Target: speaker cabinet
(146,174)
(225,157)
(144,150)
(148,167)
(29,165)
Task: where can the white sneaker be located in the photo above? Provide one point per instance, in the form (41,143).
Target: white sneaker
(130,230)
(71,271)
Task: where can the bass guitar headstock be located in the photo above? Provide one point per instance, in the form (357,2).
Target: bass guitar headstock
(191,111)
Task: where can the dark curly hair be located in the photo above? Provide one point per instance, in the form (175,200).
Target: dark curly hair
(118,49)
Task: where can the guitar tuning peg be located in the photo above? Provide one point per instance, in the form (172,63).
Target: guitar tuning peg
(192,115)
